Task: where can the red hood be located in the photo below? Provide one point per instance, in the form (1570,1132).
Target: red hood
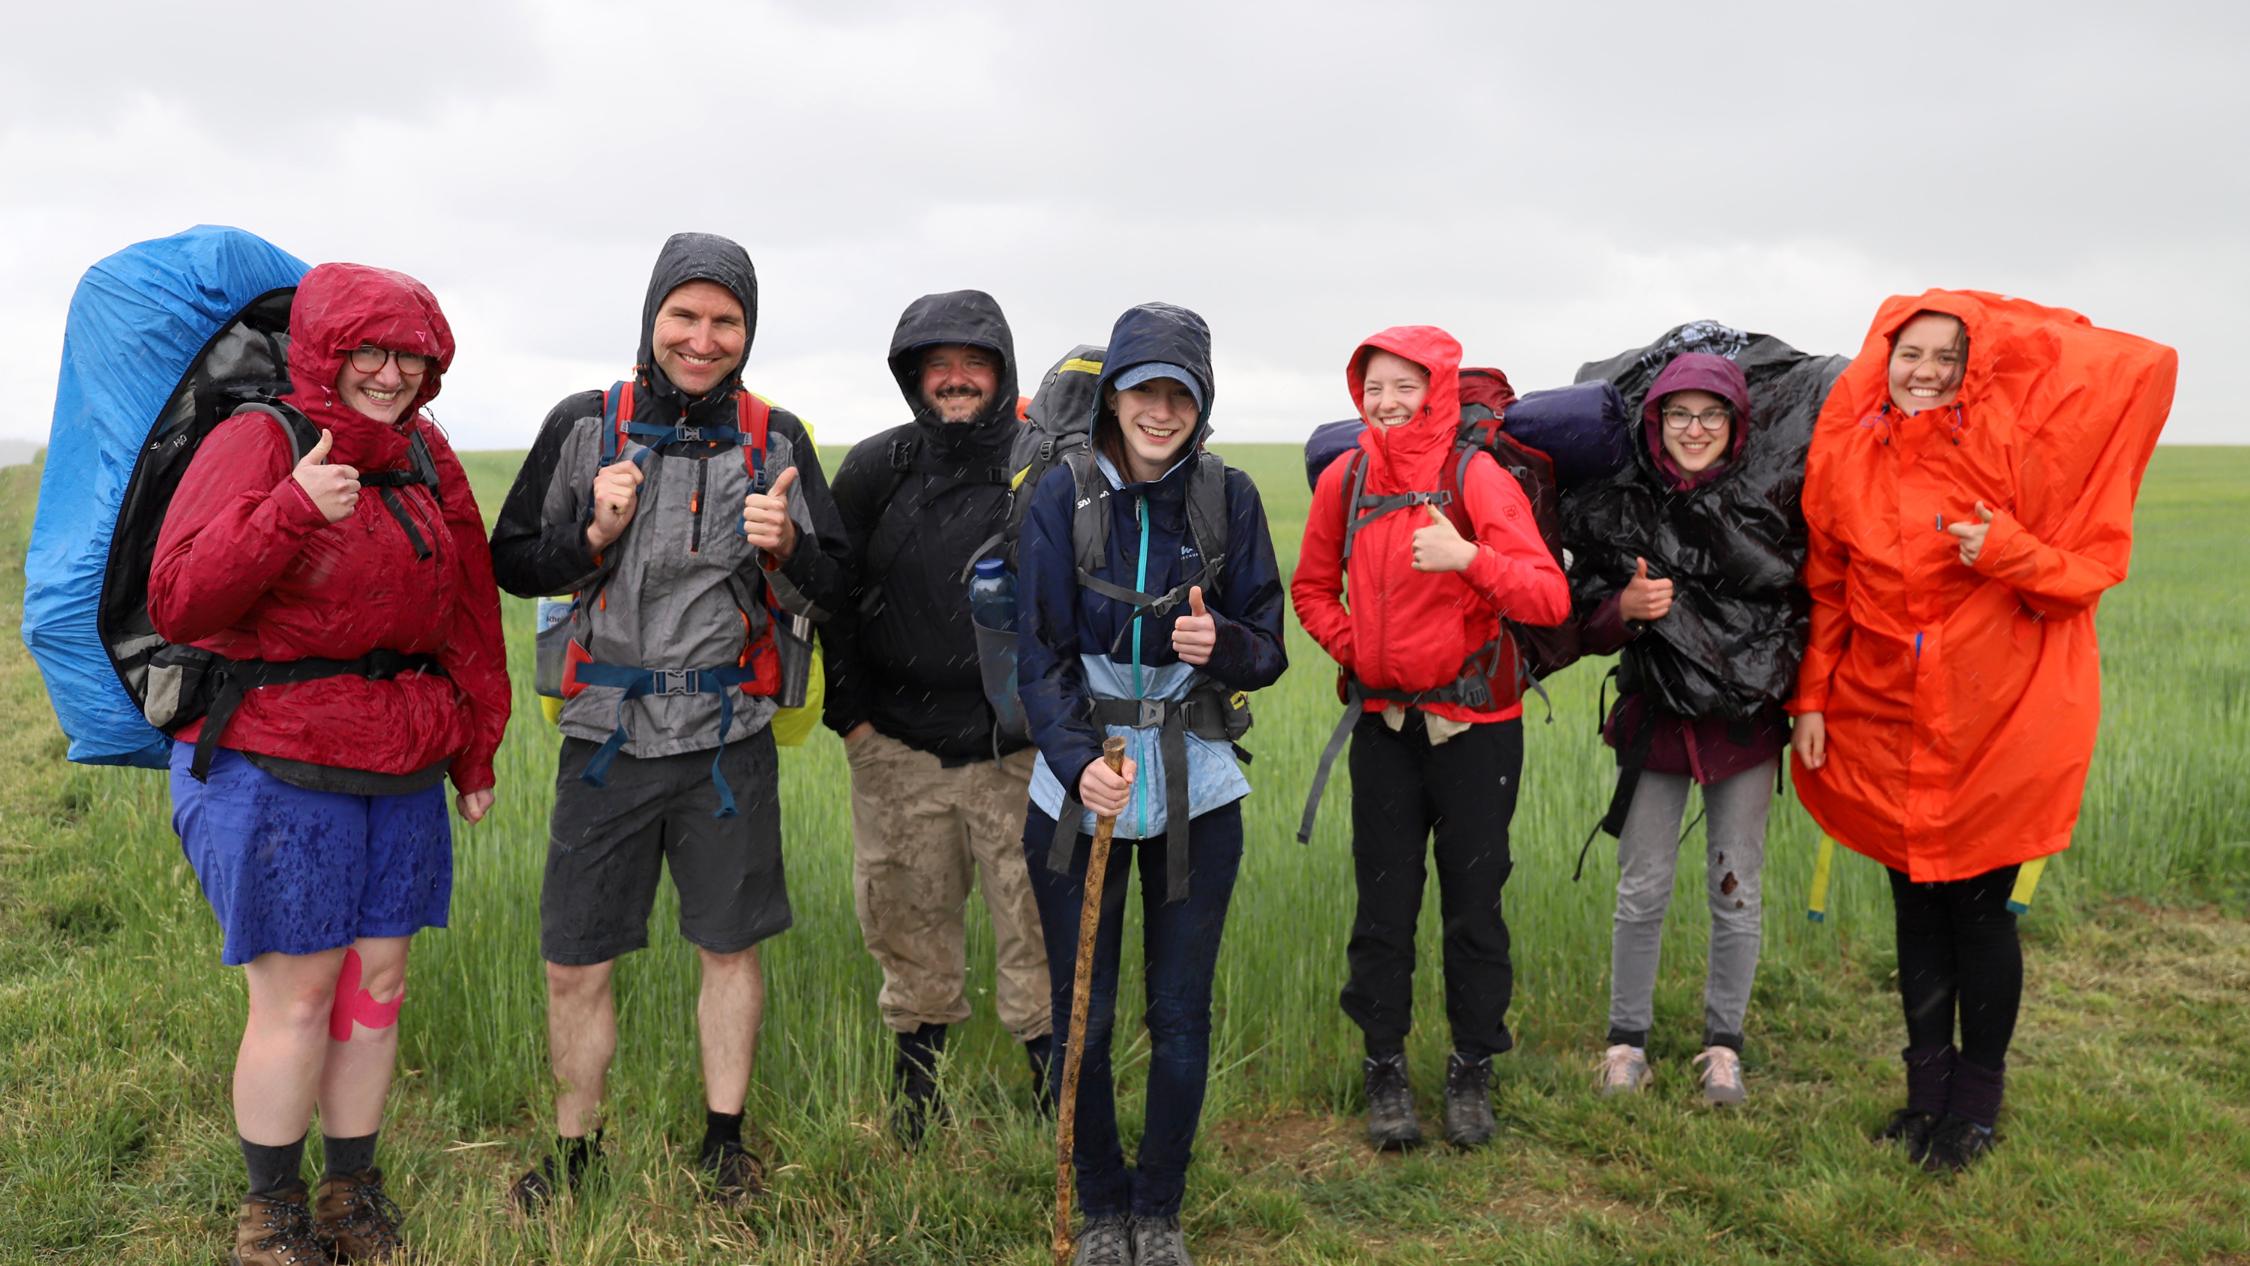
(1411,456)
(337,308)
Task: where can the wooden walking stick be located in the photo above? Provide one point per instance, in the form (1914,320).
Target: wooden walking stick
(1081,984)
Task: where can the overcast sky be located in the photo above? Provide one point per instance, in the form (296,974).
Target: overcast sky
(1553,183)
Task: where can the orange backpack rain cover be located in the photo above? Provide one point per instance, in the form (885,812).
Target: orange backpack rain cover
(1961,702)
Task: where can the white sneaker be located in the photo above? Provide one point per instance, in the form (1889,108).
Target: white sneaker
(1623,1070)
(1722,1076)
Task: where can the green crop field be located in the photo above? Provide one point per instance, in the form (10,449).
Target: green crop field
(2127,1135)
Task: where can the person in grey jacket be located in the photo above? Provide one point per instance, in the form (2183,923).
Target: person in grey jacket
(692,521)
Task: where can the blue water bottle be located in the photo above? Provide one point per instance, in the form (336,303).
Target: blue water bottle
(992,596)
(992,609)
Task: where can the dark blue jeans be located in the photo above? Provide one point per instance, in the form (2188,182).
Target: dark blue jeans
(1181,941)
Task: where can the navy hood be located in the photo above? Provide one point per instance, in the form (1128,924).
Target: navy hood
(967,317)
(690,257)
(1157,332)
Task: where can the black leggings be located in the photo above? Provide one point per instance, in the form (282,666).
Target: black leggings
(1958,955)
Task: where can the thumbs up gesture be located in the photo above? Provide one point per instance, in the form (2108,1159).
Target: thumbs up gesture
(334,489)
(1196,634)
(1439,546)
(1971,535)
(765,518)
(1644,599)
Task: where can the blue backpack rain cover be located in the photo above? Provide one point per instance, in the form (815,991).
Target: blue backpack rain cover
(142,323)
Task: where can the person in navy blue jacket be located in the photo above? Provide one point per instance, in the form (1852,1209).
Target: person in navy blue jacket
(1149,600)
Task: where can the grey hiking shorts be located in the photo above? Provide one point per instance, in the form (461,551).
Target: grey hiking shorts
(606,844)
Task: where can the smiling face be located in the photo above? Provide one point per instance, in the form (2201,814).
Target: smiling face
(1926,362)
(1697,426)
(958,380)
(386,395)
(1155,419)
(1392,390)
(699,336)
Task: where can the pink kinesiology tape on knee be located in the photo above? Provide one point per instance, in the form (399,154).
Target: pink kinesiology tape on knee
(356,1005)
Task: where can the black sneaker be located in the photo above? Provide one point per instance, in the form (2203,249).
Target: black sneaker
(1390,1104)
(733,1175)
(1955,1144)
(1468,1101)
(1910,1128)
(553,1175)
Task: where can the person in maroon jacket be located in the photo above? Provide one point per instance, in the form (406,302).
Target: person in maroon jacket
(1439,746)
(347,589)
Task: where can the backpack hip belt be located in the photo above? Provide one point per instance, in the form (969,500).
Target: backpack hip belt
(1479,687)
(643,683)
(1210,712)
(235,678)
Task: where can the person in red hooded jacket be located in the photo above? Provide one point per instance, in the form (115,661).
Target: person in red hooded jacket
(314,815)
(1415,623)
(1968,499)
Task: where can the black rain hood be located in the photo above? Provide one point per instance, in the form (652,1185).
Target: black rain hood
(967,317)
(690,257)
(1154,332)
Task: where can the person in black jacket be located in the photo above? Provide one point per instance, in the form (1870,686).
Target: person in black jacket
(937,790)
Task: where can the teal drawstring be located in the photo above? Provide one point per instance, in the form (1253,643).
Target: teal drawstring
(1140,582)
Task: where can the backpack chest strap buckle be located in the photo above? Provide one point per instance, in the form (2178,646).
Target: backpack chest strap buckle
(674,681)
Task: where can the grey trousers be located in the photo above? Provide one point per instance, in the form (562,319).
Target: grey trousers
(1735,821)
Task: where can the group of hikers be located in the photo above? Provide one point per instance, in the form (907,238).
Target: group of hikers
(1919,632)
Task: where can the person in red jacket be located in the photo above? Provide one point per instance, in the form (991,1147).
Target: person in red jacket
(350,590)
(1415,623)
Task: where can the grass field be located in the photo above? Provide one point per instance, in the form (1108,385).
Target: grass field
(2127,1137)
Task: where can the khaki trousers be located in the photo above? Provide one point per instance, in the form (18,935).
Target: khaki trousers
(921,835)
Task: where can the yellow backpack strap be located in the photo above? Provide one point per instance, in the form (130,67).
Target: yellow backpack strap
(1824,861)
(2027,883)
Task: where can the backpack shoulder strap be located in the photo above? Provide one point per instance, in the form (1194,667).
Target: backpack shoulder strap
(1089,516)
(617,414)
(753,417)
(1207,513)
(296,429)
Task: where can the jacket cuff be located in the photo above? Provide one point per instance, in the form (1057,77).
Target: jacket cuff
(472,775)
(2006,544)
(1605,629)
(294,508)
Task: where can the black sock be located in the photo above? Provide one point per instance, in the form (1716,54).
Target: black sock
(720,1129)
(272,1168)
(577,1154)
(348,1156)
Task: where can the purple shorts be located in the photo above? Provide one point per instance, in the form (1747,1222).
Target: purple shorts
(294,871)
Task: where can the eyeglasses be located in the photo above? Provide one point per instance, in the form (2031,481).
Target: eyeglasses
(1711,419)
(369,359)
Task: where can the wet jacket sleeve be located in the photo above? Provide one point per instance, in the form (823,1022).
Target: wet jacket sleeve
(1246,611)
(475,655)
(2052,581)
(859,482)
(1050,677)
(820,568)
(537,551)
(1826,562)
(1317,588)
(1602,629)
(235,524)
(1514,572)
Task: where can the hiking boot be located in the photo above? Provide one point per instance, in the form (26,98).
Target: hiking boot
(1721,1076)
(1910,1127)
(1623,1070)
(735,1175)
(914,1083)
(1468,1101)
(276,1230)
(1159,1242)
(355,1217)
(1040,1053)
(1104,1242)
(1955,1143)
(1390,1104)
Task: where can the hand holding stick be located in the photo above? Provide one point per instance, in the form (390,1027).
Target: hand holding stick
(1081,985)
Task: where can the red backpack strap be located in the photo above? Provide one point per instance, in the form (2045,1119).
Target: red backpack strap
(751,417)
(1455,481)
(617,414)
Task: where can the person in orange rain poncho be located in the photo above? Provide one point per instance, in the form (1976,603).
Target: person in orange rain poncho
(1968,498)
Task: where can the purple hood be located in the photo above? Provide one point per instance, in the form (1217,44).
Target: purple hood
(1696,371)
